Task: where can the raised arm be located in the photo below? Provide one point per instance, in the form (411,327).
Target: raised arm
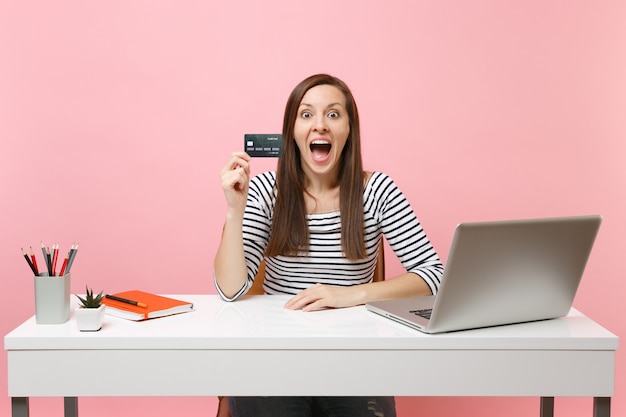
(230,265)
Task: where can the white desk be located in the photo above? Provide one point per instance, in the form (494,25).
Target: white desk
(207,351)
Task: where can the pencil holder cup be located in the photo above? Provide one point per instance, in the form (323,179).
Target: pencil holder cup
(52,299)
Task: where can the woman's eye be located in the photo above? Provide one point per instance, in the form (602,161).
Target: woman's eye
(333,114)
(306,114)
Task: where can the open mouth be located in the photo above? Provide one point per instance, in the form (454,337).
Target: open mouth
(320,149)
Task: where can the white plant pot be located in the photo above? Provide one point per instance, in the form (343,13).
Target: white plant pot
(89,319)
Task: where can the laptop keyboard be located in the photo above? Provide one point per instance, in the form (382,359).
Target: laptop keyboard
(422,313)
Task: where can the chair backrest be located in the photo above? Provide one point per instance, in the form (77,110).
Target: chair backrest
(257,288)
(379,272)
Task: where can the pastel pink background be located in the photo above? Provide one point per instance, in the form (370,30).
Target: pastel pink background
(116,117)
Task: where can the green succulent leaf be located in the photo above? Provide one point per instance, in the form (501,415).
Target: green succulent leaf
(89,301)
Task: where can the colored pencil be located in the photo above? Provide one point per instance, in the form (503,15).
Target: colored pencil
(49,261)
(32,257)
(126,300)
(45,257)
(72,255)
(55,255)
(30,263)
(62,272)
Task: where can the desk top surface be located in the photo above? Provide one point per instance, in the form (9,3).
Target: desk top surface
(261,322)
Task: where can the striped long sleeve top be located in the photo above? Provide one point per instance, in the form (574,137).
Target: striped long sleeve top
(387,213)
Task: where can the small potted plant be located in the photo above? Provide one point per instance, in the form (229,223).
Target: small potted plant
(90,314)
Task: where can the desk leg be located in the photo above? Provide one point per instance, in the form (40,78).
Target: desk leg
(601,406)
(19,406)
(71,406)
(547,407)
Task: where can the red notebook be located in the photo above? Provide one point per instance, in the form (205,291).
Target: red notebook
(157,305)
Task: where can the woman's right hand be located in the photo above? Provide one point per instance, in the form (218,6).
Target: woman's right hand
(235,177)
(231,271)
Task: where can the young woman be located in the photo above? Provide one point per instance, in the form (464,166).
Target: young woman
(317,221)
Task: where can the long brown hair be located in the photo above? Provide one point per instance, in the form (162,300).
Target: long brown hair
(290,233)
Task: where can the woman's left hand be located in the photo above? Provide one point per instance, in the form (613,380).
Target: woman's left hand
(322,296)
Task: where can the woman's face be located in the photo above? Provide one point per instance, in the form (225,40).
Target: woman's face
(321,130)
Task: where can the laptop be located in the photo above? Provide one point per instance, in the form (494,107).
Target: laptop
(501,273)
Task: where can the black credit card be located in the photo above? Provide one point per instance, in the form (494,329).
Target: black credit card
(263,145)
